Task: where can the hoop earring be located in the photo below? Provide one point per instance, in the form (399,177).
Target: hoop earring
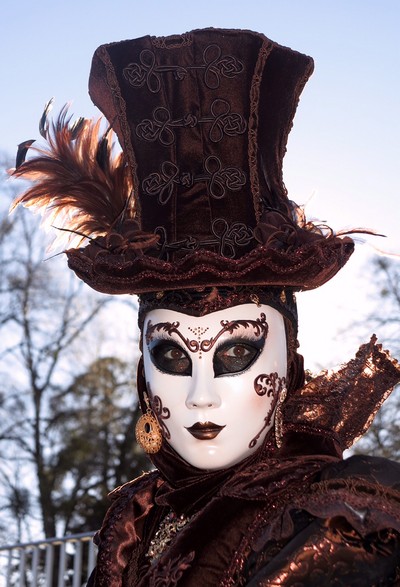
(148,430)
(279,418)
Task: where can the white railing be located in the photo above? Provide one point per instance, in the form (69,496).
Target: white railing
(54,562)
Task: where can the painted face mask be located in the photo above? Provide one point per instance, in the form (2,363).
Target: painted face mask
(214,380)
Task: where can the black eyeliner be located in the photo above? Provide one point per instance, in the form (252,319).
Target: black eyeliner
(220,369)
(161,365)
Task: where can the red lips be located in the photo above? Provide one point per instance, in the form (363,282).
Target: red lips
(205,430)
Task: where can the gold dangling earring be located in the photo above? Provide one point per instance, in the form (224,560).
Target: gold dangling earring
(279,418)
(148,430)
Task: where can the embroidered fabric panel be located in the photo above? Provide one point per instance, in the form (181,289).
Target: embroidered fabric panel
(224,238)
(217,180)
(203,120)
(212,67)
(222,122)
(187,105)
(191,139)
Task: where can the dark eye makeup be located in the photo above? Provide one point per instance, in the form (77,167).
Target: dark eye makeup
(236,356)
(233,356)
(170,358)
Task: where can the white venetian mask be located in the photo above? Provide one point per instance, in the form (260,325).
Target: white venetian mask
(213,381)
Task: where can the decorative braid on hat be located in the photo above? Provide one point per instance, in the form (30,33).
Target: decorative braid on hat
(202,301)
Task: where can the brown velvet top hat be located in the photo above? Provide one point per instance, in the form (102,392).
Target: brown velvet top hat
(197,197)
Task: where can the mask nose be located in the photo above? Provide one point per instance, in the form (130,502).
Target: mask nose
(202,393)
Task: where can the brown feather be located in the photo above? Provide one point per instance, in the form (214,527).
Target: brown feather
(76,179)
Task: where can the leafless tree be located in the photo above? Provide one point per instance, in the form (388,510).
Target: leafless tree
(49,340)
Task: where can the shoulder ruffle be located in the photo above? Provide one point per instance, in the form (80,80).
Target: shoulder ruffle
(342,404)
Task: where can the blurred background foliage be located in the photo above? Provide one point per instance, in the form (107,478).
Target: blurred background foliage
(68,405)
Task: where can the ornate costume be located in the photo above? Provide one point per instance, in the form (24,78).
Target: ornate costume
(194,217)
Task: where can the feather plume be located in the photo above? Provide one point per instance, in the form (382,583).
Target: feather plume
(77,183)
(43,122)
(23,149)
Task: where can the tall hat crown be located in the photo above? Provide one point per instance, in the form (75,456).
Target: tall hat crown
(203,120)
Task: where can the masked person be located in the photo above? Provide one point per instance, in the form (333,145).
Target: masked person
(250,487)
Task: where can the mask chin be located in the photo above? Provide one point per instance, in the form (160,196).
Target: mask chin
(214,380)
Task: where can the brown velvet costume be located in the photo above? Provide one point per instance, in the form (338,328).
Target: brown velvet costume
(298,515)
(197,200)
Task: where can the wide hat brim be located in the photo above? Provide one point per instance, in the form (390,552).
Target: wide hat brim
(304,268)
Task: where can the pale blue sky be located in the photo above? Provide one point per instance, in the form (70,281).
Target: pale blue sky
(345,144)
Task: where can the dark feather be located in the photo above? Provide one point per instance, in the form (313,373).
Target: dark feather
(103,153)
(43,123)
(22,151)
(76,127)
